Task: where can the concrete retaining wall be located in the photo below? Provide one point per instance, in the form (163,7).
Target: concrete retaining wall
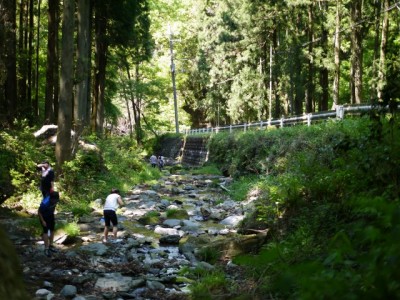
(189,150)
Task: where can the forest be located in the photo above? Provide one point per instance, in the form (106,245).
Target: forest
(93,65)
(123,74)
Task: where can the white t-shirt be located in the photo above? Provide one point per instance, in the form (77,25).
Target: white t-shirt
(111,202)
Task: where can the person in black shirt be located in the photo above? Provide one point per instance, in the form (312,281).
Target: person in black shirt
(47,178)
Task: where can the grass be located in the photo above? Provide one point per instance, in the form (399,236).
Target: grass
(210,169)
(240,188)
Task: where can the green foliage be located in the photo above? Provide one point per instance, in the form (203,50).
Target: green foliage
(208,254)
(72,229)
(19,154)
(332,206)
(177,214)
(150,218)
(116,162)
(212,285)
(240,188)
(209,169)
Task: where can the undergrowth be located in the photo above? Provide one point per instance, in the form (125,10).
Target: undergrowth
(329,195)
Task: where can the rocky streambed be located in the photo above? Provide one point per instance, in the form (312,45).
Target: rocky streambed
(166,230)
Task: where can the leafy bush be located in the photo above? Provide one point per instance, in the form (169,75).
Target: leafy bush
(331,201)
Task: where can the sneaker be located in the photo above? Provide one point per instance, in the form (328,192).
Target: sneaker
(53,249)
(104,241)
(47,252)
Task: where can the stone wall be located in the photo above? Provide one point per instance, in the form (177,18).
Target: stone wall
(195,151)
(188,150)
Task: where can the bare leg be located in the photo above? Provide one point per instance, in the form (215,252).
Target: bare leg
(46,240)
(115,230)
(105,233)
(51,238)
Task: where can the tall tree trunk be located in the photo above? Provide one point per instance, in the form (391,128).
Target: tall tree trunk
(382,51)
(22,57)
(324,75)
(275,79)
(323,70)
(373,91)
(100,67)
(336,74)
(51,97)
(138,126)
(36,99)
(310,77)
(125,96)
(8,62)
(356,51)
(31,33)
(63,144)
(134,105)
(81,101)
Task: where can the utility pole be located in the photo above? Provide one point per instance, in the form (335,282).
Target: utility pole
(171,48)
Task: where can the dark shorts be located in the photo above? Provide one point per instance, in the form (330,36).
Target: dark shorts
(110,215)
(50,223)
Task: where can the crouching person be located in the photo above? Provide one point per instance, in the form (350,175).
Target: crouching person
(110,216)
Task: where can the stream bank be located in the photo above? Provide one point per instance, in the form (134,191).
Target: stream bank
(182,223)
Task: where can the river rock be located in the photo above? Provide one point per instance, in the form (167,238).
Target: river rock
(115,282)
(154,285)
(170,239)
(43,294)
(98,249)
(171,223)
(68,291)
(232,221)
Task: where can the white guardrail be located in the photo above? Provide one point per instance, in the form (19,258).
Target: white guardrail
(339,114)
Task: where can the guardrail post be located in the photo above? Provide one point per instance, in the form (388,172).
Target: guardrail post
(309,119)
(261,124)
(269,122)
(216,129)
(244,127)
(282,122)
(340,112)
(230,128)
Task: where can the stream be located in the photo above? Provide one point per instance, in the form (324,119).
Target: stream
(152,256)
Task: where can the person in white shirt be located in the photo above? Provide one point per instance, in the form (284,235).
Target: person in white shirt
(153,161)
(110,206)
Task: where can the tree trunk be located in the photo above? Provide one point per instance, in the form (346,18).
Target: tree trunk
(51,97)
(373,90)
(323,70)
(100,67)
(63,144)
(382,51)
(310,77)
(8,75)
(81,101)
(36,100)
(138,107)
(22,58)
(275,79)
(336,74)
(356,51)
(31,31)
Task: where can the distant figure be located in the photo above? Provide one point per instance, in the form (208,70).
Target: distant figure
(160,162)
(153,161)
(110,216)
(47,178)
(47,219)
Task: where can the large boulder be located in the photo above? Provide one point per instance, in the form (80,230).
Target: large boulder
(11,283)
